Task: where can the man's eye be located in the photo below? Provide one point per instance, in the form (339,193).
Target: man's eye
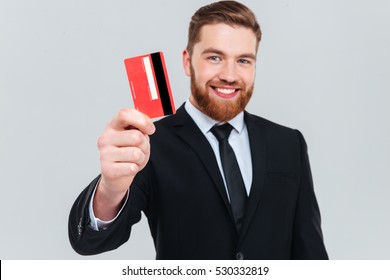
(244,61)
(214,58)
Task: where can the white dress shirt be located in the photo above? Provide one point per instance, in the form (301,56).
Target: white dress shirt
(238,139)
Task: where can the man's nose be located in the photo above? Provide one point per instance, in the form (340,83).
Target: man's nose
(228,72)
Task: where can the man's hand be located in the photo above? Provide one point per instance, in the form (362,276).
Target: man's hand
(124,150)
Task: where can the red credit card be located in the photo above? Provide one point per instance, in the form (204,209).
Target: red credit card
(149,85)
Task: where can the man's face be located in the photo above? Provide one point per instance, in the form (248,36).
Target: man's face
(222,70)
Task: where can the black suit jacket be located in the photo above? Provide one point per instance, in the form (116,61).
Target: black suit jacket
(181,191)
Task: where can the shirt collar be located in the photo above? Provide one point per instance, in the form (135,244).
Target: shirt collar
(205,123)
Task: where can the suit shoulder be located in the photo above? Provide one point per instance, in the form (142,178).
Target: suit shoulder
(164,126)
(270,125)
(164,121)
(276,134)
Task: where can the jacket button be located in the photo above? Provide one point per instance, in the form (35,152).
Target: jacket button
(239,256)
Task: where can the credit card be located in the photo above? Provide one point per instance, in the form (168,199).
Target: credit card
(149,85)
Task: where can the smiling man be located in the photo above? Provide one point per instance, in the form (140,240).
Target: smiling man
(214,181)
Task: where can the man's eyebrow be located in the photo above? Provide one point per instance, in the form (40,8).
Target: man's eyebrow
(212,50)
(248,55)
(219,52)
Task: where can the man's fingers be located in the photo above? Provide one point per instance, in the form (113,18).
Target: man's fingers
(131,118)
(124,148)
(123,139)
(130,138)
(125,154)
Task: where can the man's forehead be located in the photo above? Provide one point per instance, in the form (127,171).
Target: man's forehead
(221,36)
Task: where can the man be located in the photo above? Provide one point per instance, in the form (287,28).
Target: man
(183,174)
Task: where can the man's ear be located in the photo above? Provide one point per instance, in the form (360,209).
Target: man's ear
(187,63)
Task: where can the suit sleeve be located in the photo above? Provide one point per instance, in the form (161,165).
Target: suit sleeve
(308,240)
(87,241)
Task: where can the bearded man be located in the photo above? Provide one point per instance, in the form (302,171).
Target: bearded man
(214,181)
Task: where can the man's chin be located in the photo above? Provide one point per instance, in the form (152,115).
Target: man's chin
(222,110)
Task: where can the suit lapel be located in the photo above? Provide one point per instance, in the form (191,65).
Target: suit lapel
(257,143)
(189,132)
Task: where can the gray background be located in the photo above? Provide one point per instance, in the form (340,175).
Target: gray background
(323,67)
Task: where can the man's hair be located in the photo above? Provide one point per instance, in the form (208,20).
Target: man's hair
(228,12)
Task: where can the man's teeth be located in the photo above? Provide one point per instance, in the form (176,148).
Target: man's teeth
(225,90)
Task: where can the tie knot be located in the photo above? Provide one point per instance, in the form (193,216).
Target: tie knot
(222,132)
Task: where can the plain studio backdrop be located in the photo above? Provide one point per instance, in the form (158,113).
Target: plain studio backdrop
(323,68)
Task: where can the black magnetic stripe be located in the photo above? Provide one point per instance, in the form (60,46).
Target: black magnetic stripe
(161,83)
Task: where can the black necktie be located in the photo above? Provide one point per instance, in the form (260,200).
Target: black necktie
(231,170)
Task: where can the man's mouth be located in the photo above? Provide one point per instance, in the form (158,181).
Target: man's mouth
(225,92)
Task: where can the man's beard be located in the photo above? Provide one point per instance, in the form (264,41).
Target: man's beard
(217,108)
